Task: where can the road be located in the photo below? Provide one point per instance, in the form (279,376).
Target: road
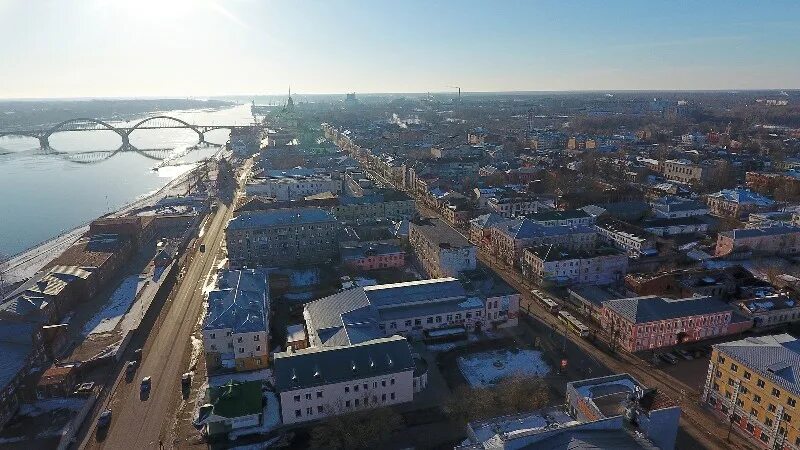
(695,420)
(144,423)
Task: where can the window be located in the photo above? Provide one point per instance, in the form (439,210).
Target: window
(241,349)
(355,388)
(791,402)
(258,348)
(347,403)
(297,413)
(309,410)
(256,337)
(734,367)
(347,388)
(391,381)
(383,383)
(760,383)
(746,375)
(366,386)
(356,402)
(308,396)
(787,417)
(408,323)
(319,394)
(239,340)
(417,322)
(768,421)
(383,397)
(319,409)
(429,320)
(391,395)
(297,398)
(756,398)
(776,392)
(213,335)
(771,408)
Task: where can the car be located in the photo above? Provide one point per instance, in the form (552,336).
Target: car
(137,354)
(145,384)
(666,357)
(683,354)
(104,419)
(130,367)
(186,380)
(202,248)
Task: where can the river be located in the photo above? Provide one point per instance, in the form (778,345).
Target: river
(45,193)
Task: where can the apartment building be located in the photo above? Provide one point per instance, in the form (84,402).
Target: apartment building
(480,228)
(685,171)
(390,204)
(236,325)
(510,239)
(770,310)
(671,207)
(440,249)
(373,255)
(515,206)
(293,184)
(324,381)
(568,218)
(751,384)
(281,237)
(551,265)
(652,322)
(777,240)
(634,240)
(676,226)
(737,202)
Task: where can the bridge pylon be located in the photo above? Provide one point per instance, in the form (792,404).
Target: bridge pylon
(44,141)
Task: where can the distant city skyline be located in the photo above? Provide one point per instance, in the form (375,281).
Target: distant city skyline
(211,48)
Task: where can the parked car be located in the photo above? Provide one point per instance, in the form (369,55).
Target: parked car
(137,354)
(145,384)
(666,357)
(186,380)
(202,248)
(104,419)
(683,354)
(130,367)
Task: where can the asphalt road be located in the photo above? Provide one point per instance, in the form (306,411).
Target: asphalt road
(145,422)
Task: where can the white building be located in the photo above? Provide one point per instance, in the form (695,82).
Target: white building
(550,264)
(625,236)
(515,206)
(236,326)
(440,249)
(292,185)
(671,207)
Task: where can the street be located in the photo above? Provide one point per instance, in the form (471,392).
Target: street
(695,420)
(146,421)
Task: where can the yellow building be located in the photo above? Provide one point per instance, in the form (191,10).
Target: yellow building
(754,384)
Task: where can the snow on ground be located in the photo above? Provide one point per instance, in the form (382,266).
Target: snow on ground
(121,300)
(256,375)
(197,350)
(487,368)
(44,406)
(271,419)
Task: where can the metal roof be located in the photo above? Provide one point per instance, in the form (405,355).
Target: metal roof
(279,217)
(652,308)
(775,357)
(316,366)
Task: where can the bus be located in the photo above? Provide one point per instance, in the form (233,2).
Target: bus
(573,324)
(547,302)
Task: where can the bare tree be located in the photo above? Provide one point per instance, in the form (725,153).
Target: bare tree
(512,395)
(361,429)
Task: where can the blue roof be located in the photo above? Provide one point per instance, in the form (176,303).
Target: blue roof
(528,229)
(239,302)
(262,219)
(774,357)
(743,196)
(652,308)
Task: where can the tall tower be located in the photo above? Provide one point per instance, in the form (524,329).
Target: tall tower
(290,102)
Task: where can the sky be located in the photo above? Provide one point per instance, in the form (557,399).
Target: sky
(199,48)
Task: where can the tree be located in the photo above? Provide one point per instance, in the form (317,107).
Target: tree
(361,429)
(512,395)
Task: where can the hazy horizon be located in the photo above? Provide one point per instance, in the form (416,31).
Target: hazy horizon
(214,48)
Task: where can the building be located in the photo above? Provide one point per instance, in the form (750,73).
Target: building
(671,207)
(391,205)
(652,322)
(294,184)
(296,337)
(245,141)
(613,412)
(552,265)
(737,202)
(511,238)
(410,309)
(771,310)
(440,249)
(23,348)
(480,228)
(568,218)
(681,283)
(751,384)
(590,299)
(635,241)
(777,240)
(688,172)
(373,255)
(676,226)
(511,204)
(323,381)
(236,326)
(232,406)
(769,183)
(281,237)
(57,381)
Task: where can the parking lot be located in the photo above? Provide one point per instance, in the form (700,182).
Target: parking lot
(691,372)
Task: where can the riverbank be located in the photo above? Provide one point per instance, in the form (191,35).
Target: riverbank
(26,264)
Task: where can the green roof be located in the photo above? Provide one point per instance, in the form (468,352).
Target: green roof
(236,399)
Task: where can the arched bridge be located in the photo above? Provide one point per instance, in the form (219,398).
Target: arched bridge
(124,131)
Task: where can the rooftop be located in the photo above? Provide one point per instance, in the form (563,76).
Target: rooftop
(652,308)
(239,302)
(438,232)
(775,357)
(742,196)
(281,217)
